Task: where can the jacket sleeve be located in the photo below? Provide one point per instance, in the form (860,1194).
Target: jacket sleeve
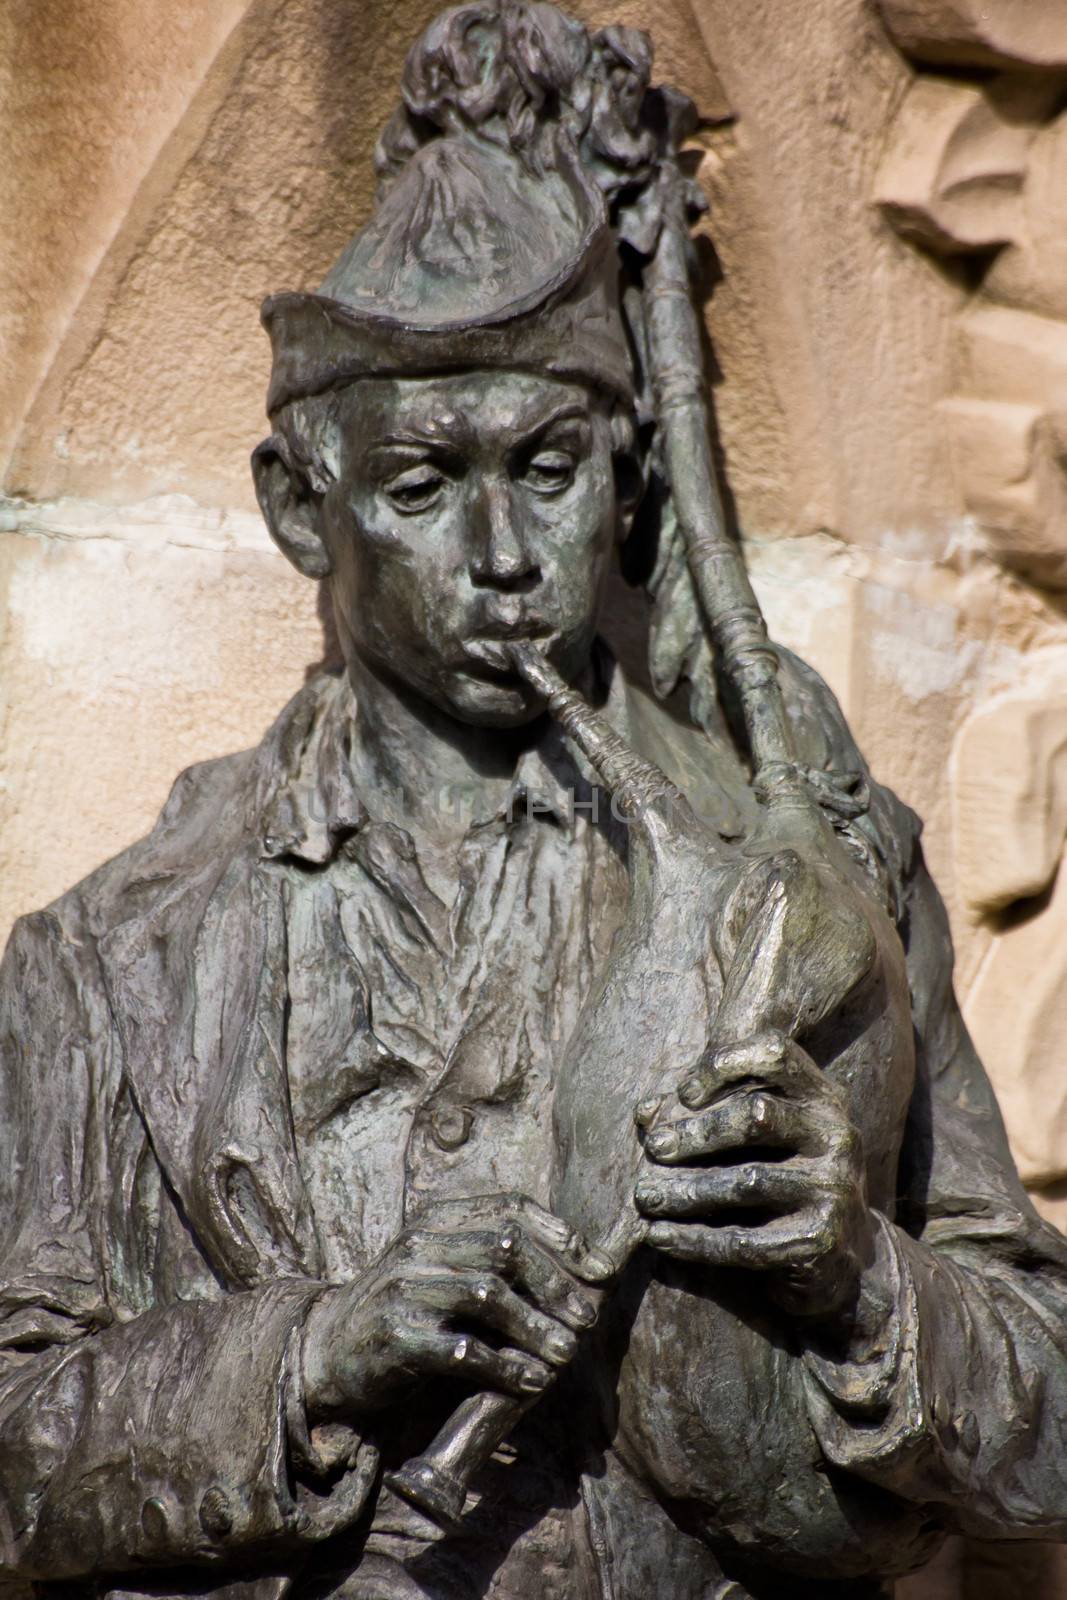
(953,1392)
(131,1433)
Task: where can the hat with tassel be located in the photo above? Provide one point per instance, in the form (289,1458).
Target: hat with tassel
(495,242)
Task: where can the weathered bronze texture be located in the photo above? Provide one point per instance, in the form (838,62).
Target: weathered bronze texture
(512,1132)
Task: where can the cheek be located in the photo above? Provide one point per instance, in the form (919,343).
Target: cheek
(372,568)
(582,532)
(393,581)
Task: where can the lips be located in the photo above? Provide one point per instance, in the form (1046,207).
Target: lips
(520,627)
(489,658)
(488,643)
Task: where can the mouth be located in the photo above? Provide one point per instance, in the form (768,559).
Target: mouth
(488,659)
(487,653)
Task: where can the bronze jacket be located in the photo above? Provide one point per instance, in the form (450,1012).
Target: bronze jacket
(237,1057)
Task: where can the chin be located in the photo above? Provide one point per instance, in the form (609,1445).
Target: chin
(490,705)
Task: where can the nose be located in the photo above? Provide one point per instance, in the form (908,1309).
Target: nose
(501,557)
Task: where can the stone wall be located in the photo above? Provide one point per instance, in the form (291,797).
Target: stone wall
(886,250)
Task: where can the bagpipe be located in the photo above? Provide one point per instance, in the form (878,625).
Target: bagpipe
(784,932)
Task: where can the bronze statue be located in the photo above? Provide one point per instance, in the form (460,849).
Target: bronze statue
(512,1132)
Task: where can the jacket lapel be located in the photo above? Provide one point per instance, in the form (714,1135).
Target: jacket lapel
(195,962)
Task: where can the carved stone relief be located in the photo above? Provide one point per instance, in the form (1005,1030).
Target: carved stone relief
(1009,780)
(974,174)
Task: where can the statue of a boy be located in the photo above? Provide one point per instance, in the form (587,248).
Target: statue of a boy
(318,1105)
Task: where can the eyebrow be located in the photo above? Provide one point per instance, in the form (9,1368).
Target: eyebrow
(408,441)
(415,439)
(569,411)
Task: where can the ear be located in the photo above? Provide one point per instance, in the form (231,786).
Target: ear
(290,507)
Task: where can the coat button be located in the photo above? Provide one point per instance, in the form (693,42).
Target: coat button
(154,1521)
(450,1127)
(216,1513)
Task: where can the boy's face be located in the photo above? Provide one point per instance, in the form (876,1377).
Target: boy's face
(470,510)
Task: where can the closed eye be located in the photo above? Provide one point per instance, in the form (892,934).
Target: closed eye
(549,471)
(415,489)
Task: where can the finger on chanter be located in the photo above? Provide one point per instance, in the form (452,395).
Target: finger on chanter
(539,1275)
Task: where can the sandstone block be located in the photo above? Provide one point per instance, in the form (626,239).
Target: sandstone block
(979,33)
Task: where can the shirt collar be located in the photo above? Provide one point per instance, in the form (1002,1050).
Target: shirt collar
(313,805)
